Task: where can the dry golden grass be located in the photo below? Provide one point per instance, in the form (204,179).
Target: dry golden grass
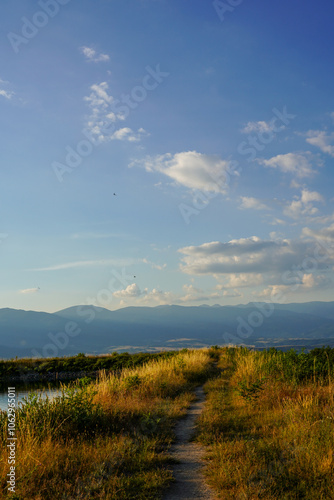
(110,442)
(276,445)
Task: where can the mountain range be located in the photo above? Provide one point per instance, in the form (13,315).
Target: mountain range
(96,330)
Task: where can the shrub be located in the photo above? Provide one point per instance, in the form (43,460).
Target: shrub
(250,391)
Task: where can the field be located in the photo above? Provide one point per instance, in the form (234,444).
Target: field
(269,425)
(267,428)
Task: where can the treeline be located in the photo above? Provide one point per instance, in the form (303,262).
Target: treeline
(79,363)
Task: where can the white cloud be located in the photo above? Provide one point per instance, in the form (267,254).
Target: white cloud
(306,282)
(194,294)
(232,293)
(133,294)
(99,96)
(274,235)
(99,101)
(309,196)
(294,184)
(292,163)
(29,290)
(86,263)
(321,140)
(323,219)
(102,121)
(158,297)
(241,280)
(247,255)
(122,133)
(303,206)
(102,118)
(326,233)
(153,265)
(130,291)
(296,210)
(192,289)
(6,93)
(276,222)
(258,127)
(272,291)
(92,56)
(252,203)
(127,134)
(192,170)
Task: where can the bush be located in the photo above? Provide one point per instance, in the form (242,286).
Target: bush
(71,413)
(250,391)
(132,381)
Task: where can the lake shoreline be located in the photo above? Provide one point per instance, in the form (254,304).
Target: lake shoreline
(48,377)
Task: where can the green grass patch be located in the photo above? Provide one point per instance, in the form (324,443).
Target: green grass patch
(267,436)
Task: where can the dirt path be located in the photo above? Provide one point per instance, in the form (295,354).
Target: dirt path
(189,481)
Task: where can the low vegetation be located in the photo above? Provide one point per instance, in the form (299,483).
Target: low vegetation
(78,363)
(269,425)
(104,439)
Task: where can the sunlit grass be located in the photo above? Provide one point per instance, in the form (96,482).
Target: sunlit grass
(278,444)
(105,439)
(268,424)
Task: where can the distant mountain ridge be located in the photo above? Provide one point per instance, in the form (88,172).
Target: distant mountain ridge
(97,330)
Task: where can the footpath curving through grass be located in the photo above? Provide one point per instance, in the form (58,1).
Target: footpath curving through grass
(105,439)
(269,425)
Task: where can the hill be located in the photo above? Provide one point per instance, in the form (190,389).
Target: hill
(97,330)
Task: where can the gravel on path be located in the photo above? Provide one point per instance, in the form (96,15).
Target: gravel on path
(189,480)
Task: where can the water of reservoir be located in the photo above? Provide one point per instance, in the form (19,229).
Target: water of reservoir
(50,389)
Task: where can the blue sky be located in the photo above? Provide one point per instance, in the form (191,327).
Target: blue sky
(213,124)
